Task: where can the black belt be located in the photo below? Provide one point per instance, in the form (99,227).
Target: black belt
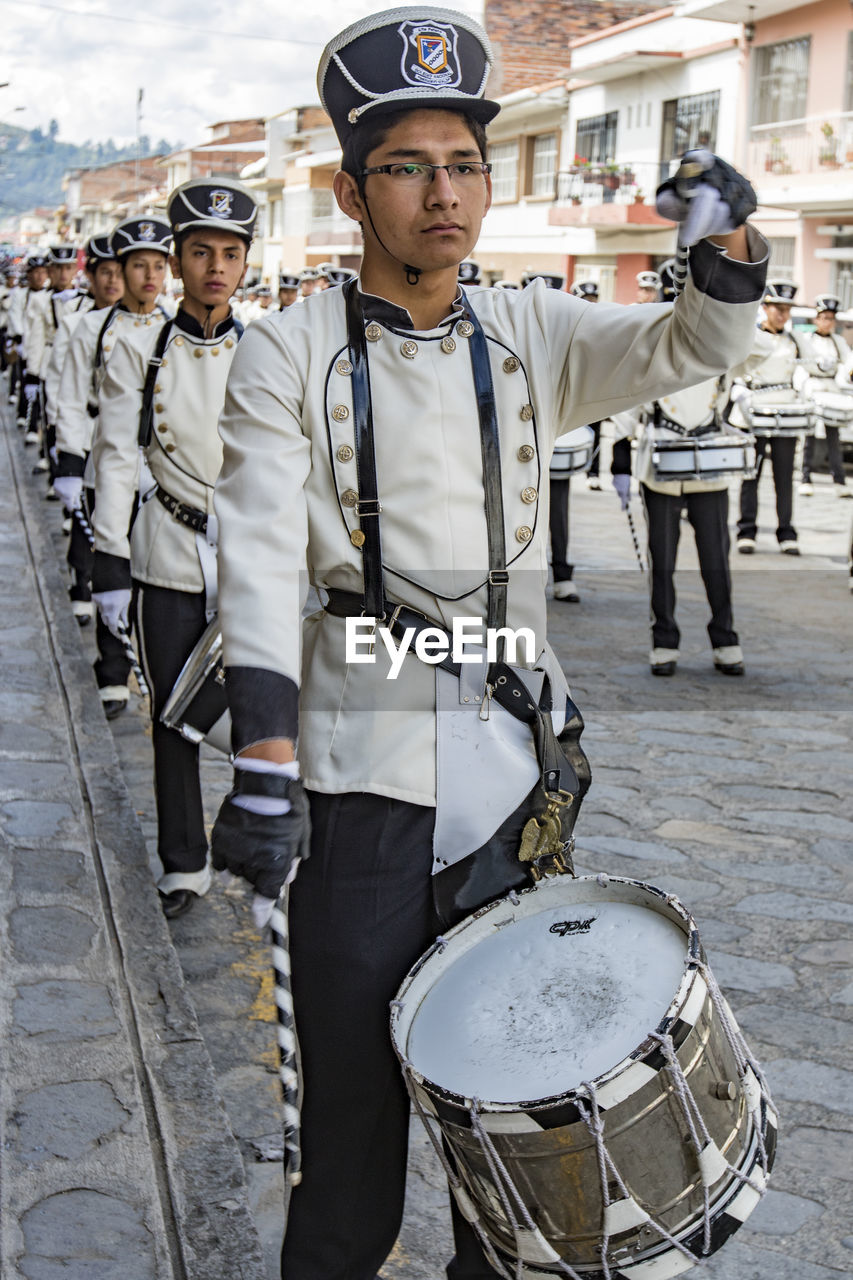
(663,421)
(189,516)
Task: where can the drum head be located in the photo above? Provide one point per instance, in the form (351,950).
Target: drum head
(527,1001)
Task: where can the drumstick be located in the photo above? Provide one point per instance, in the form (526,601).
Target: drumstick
(129,651)
(288,1071)
(635,539)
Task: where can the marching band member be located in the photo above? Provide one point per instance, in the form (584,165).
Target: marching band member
(825,353)
(771,363)
(162,391)
(288,289)
(648,286)
(21,308)
(453,403)
(133,260)
(695,410)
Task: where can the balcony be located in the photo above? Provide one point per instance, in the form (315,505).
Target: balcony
(805,164)
(609,195)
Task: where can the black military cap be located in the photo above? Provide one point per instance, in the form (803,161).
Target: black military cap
(36,260)
(468,272)
(207,202)
(338,275)
(309,273)
(781,291)
(140,233)
(505,284)
(648,280)
(288,280)
(98,249)
(264,291)
(584,289)
(60,253)
(552,281)
(414,56)
(827,302)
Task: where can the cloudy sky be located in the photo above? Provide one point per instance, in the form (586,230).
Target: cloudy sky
(82,62)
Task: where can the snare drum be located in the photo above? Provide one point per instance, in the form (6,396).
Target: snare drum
(710,457)
(775,416)
(835,407)
(569,1049)
(197,707)
(572,452)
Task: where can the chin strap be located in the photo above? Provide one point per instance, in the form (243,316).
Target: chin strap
(207,325)
(413,274)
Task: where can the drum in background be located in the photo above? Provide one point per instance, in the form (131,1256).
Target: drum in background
(197,707)
(835,408)
(572,452)
(771,413)
(585,1082)
(709,457)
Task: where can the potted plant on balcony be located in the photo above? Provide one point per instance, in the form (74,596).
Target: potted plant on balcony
(627,175)
(611,177)
(776,160)
(639,196)
(828,151)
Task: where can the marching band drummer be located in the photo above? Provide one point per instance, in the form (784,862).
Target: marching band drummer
(163,390)
(825,353)
(771,363)
(453,403)
(25,301)
(288,289)
(648,286)
(695,410)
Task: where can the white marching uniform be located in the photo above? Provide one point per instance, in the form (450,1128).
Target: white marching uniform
(821,379)
(45,318)
(286,494)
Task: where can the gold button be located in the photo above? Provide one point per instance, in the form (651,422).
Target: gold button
(409,349)
(170,448)
(179,342)
(349,497)
(373,332)
(343,367)
(345,453)
(107,347)
(158,408)
(526,412)
(110,332)
(214,351)
(198,353)
(524,533)
(157,389)
(464,328)
(163,362)
(163,426)
(529,494)
(526,453)
(448,345)
(340,413)
(229,342)
(357,538)
(511,364)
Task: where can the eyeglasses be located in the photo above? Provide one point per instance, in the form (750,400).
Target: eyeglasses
(415,174)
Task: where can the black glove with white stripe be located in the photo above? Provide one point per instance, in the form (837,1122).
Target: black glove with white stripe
(707,196)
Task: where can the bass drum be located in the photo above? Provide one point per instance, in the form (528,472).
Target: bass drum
(585,1082)
(572,453)
(197,707)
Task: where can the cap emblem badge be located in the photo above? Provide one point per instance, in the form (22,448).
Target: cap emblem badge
(429,54)
(147,231)
(220,204)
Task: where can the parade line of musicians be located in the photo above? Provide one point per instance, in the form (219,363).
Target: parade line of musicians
(124,446)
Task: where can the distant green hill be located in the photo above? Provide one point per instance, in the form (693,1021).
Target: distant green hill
(32,164)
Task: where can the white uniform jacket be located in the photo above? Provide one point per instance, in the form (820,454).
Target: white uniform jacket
(767,373)
(83,372)
(58,354)
(44,323)
(285,498)
(825,357)
(184,453)
(692,408)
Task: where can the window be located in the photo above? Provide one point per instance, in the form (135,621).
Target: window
(780,78)
(503,157)
(841,273)
(595,139)
(781,265)
(544,165)
(689,122)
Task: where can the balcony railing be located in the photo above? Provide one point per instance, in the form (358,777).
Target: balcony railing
(586,183)
(811,145)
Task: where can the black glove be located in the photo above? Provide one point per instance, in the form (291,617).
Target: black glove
(261,847)
(706,195)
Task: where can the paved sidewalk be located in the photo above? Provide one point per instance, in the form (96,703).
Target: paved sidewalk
(732,793)
(116,1157)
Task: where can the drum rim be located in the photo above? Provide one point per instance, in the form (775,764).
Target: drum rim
(400,1025)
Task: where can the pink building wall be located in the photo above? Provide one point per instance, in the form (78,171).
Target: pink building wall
(828,23)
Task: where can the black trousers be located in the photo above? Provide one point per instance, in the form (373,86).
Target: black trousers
(111,666)
(833,456)
(782,450)
(708,514)
(361,912)
(559,529)
(169,624)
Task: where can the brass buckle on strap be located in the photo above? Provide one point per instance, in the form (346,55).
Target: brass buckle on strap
(542,846)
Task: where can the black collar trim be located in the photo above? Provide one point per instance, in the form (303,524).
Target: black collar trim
(193,329)
(393,317)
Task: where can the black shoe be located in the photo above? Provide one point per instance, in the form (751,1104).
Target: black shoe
(177,903)
(729,668)
(663,668)
(113,707)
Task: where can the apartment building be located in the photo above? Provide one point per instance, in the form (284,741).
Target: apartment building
(796,143)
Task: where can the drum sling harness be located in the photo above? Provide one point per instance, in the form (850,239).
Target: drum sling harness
(544,839)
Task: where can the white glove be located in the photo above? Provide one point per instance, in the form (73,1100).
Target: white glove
(70,490)
(30,392)
(114,608)
(707,196)
(622,485)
